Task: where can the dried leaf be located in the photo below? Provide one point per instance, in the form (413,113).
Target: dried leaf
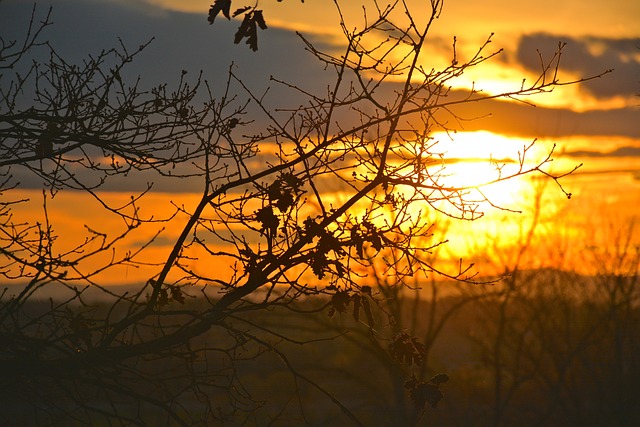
(422,393)
(426,393)
(340,269)
(163,297)
(340,300)
(241,11)
(328,242)
(248,29)
(177,295)
(243,29)
(252,35)
(285,201)
(223,6)
(440,379)
(292,181)
(376,242)
(267,218)
(311,227)
(406,349)
(357,241)
(318,264)
(356,307)
(257,16)
(367,311)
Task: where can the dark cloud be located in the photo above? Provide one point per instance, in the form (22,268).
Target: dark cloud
(627,151)
(187,41)
(518,119)
(181,41)
(588,57)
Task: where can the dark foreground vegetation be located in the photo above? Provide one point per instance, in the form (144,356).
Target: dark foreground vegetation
(541,348)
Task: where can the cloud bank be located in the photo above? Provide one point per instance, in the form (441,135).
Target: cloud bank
(184,41)
(589,56)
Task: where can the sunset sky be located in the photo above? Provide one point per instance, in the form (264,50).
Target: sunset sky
(596,123)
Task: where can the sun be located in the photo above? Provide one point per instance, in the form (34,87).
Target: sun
(487,166)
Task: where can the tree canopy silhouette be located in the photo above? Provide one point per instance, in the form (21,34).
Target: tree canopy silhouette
(299,213)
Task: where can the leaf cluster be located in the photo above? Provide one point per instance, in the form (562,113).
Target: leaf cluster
(366,232)
(422,392)
(248,29)
(407,350)
(283,191)
(282,194)
(341,300)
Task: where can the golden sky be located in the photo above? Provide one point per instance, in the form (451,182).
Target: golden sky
(615,18)
(594,124)
(593,23)
(599,36)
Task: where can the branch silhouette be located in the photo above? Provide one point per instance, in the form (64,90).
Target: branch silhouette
(289,219)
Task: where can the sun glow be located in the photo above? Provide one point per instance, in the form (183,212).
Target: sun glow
(485,172)
(487,165)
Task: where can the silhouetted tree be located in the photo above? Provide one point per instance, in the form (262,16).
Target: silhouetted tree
(156,354)
(553,342)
